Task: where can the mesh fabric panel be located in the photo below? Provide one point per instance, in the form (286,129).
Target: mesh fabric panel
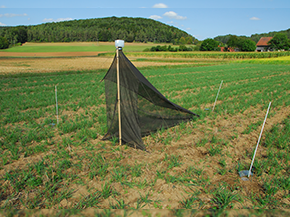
(143,108)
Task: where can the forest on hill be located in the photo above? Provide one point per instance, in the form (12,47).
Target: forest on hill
(110,29)
(99,29)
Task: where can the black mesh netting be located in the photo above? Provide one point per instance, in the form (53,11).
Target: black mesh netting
(143,108)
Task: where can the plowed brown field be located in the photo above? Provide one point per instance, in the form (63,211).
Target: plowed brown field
(42,65)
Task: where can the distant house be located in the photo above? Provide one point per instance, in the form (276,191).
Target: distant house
(262,44)
(229,49)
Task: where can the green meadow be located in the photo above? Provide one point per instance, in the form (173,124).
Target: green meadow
(78,47)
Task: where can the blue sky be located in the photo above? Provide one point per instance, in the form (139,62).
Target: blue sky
(202,19)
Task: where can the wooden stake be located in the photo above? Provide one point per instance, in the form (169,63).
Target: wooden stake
(119,102)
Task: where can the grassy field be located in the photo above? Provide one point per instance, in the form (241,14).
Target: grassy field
(77,47)
(192,166)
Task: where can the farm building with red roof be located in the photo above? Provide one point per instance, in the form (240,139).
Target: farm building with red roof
(262,44)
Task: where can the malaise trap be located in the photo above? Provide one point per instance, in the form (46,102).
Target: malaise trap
(135,108)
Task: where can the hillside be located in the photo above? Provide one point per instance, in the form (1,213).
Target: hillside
(99,29)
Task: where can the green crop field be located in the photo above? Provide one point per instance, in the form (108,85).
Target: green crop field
(191,166)
(209,54)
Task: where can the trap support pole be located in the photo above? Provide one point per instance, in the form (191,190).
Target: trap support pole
(259,140)
(119,102)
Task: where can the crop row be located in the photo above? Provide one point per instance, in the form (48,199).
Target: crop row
(82,103)
(216,55)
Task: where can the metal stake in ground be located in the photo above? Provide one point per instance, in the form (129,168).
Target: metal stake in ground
(217,95)
(56,104)
(259,140)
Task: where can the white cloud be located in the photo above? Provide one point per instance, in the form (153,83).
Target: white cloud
(173,15)
(2,6)
(255,18)
(13,15)
(46,20)
(155,17)
(188,28)
(2,24)
(160,5)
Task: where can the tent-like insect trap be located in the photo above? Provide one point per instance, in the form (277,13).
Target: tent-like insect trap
(135,108)
(119,44)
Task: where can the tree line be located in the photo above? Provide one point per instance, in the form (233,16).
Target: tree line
(99,29)
(157,48)
(254,37)
(280,41)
